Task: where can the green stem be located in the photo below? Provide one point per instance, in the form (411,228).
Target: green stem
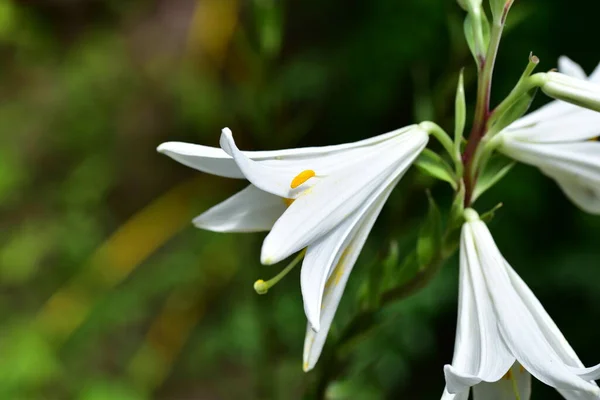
(482,107)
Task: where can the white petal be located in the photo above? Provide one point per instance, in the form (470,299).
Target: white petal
(551,332)
(571,68)
(517,326)
(479,352)
(578,158)
(320,260)
(580,124)
(595,76)
(314,341)
(203,158)
(250,210)
(549,112)
(215,161)
(268,178)
(504,389)
(455,396)
(332,199)
(585,194)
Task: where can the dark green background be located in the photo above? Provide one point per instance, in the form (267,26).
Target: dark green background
(91,213)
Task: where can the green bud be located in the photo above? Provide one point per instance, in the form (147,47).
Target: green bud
(460,114)
(477,34)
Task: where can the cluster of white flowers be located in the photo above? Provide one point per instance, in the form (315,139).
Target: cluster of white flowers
(324,201)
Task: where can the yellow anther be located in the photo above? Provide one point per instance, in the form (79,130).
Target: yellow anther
(261,287)
(288,202)
(595,139)
(302,177)
(521,369)
(508,375)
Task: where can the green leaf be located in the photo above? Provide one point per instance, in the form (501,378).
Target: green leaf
(429,243)
(489,215)
(432,164)
(515,111)
(477,29)
(457,209)
(497,167)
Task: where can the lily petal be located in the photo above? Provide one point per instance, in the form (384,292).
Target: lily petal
(479,352)
(577,158)
(455,396)
(321,208)
(517,326)
(334,288)
(215,161)
(250,210)
(579,124)
(585,195)
(518,380)
(202,158)
(571,68)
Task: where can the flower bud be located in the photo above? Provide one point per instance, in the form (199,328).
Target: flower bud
(572,90)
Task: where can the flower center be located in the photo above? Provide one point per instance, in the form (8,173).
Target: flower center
(302,177)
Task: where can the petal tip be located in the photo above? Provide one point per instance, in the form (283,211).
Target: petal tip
(306,367)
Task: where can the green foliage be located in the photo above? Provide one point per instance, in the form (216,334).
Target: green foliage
(106,289)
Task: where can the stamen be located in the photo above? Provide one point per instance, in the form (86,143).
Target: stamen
(302,177)
(262,287)
(515,387)
(508,376)
(288,202)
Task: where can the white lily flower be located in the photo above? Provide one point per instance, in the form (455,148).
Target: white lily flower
(559,140)
(324,199)
(503,332)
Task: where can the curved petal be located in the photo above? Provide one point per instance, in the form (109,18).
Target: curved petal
(250,210)
(571,68)
(479,352)
(517,382)
(457,396)
(203,158)
(275,175)
(321,208)
(268,178)
(517,326)
(580,124)
(580,158)
(324,254)
(585,195)
(217,162)
(334,288)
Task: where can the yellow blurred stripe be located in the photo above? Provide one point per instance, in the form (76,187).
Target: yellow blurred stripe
(213,25)
(112,262)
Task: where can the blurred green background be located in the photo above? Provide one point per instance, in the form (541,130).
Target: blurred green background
(108,292)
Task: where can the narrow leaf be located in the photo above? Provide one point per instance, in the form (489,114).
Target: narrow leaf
(497,167)
(429,243)
(433,165)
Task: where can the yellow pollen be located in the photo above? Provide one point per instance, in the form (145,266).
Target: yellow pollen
(288,202)
(508,375)
(302,177)
(595,139)
(521,369)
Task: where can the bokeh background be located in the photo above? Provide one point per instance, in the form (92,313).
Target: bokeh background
(106,289)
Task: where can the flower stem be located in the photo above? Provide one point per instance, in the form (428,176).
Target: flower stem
(482,106)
